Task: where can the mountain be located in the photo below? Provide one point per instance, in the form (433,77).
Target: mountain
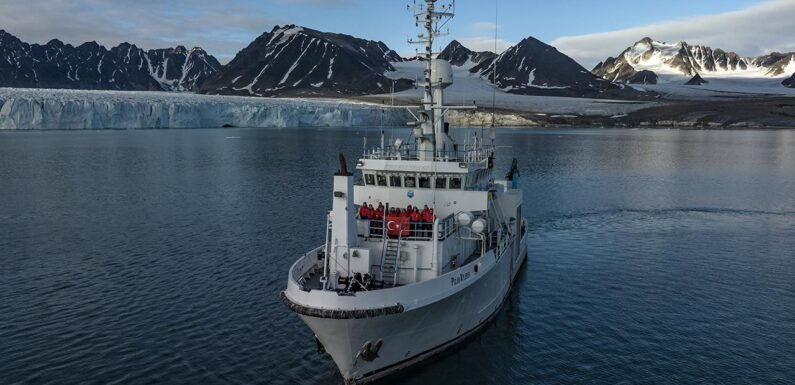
(696,80)
(458,55)
(776,63)
(688,60)
(535,68)
(92,66)
(789,82)
(642,77)
(298,61)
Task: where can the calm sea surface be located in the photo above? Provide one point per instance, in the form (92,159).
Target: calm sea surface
(141,257)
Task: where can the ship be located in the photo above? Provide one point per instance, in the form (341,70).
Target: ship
(386,292)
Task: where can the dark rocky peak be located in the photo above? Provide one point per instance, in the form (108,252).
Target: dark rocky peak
(533,67)
(645,40)
(92,66)
(457,54)
(789,82)
(295,60)
(696,80)
(643,77)
(90,45)
(9,40)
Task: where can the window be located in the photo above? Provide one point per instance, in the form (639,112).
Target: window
(394,180)
(369,179)
(410,181)
(455,183)
(381,179)
(441,182)
(425,182)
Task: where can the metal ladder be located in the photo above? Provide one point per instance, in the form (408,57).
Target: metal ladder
(389,265)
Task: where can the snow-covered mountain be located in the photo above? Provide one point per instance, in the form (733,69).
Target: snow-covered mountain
(92,66)
(535,68)
(688,60)
(298,61)
(458,55)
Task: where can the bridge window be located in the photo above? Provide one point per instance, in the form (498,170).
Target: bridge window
(369,179)
(441,182)
(394,180)
(381,179)
(410,181)
(425,182)
(455,183)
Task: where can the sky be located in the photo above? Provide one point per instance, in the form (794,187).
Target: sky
(587,30)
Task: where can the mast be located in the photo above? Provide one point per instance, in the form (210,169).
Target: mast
(432,141)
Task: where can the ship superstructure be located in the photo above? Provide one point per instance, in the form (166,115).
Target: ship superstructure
(387,292)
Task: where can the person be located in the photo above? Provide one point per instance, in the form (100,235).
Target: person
(377,218)
(364,211)
(415,219)
(427,217)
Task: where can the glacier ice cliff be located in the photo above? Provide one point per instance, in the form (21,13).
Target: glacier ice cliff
(42,109)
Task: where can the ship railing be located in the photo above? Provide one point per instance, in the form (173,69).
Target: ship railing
(408,231)
(411,231)
(469,154)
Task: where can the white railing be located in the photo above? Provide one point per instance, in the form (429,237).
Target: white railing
(470,154)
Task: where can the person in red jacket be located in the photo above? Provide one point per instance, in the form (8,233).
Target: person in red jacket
(379,212)
(414,217)
(427,217)
(364,211)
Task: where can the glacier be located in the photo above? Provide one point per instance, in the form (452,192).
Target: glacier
(44,109)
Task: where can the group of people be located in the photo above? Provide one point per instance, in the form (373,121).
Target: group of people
(413,213)
(406,222)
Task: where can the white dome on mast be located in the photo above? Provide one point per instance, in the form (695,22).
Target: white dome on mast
(442,73)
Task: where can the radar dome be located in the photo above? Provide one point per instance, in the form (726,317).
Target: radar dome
(441,73)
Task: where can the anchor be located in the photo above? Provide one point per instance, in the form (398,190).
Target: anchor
(369,352)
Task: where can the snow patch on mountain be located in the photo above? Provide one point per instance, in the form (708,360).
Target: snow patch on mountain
(469,88)
(689,60)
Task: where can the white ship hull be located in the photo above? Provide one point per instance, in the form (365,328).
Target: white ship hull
(417,333)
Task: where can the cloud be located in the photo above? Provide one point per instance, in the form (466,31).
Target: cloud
(484,26)
(221,28)
(753,31)
(324,3)
(485,44)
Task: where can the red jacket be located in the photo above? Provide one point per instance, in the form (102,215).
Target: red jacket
(427,216)
(415,216)
(364,212)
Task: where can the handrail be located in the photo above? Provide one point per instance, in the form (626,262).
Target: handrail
(397,258)
(470,154)
(416,231)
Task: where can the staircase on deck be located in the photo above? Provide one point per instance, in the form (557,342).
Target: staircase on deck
(389,265)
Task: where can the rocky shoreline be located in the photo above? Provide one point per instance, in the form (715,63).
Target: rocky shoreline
(769,113)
